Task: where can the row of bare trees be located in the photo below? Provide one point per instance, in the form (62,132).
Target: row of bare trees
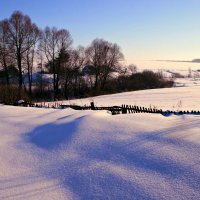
(24,46)
(18,40)
(25,50)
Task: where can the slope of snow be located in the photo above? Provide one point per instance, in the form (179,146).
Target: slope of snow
(187,82)
(67,154)
(181,98)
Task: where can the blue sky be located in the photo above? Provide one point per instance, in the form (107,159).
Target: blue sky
(145,29)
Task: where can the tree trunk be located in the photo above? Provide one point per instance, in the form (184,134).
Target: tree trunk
(7,74)
(57,86)
(29,76)
(54,79)
(19,63)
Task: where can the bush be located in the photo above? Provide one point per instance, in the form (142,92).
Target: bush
(138,81)
(10,94)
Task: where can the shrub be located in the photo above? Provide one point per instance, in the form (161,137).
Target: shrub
(10,94)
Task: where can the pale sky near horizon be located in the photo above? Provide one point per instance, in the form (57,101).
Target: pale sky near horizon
(145,29)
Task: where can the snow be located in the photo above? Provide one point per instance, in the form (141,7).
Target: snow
(20,101)
(177,98)
(187,82)
(68,154)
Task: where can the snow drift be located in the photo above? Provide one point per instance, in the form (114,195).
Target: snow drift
(67,154)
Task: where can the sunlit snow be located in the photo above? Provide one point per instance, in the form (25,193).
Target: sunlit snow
(67,154)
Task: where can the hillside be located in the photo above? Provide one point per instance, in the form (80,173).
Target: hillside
(176,98)
(67,154)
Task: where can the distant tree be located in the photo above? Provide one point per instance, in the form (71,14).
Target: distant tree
(18,30)
(104,58)
(40,82)
(77,61)
(52,41)
(61,63)
(29,57)
(71,63)
(5,56)
(132,68)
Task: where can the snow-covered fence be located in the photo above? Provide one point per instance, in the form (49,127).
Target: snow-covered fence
(129,109)
(48,105)
(113,109)
(124,109)
(136,109)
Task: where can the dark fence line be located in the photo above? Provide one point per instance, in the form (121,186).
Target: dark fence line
(129,109)
(124,109)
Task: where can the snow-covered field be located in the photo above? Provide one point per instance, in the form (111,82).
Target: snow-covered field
(66,154)
(178,98)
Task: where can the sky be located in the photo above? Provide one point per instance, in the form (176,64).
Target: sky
(146,30)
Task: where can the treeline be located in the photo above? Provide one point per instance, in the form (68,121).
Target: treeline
(38,64)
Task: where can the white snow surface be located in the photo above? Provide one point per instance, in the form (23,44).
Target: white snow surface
(176,98)
(67,154)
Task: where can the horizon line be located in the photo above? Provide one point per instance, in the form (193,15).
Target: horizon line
(183,61)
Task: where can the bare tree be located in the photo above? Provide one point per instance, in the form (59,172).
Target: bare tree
(104,58)
(19,27)
(132,68)
(53,40)
(70,64)
(40,68)
(77,61)
(32,39)
(5,58)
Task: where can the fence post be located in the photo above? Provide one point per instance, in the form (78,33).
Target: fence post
(124,110)
(92,105)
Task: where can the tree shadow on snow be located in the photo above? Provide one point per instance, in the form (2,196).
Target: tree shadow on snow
(52,135)
(151,152)
(146,151)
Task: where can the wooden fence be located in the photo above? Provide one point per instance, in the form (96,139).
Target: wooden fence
(124,109)
(129,109)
